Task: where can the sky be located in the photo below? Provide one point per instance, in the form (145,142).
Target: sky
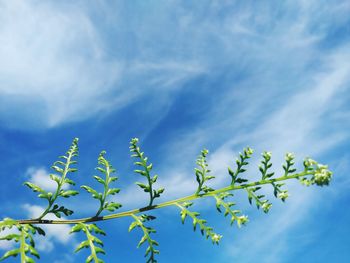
(180,76)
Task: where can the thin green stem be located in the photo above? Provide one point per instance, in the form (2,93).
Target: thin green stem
(103,200)
(22,246)
(91,244)
(167,203)
(150,186)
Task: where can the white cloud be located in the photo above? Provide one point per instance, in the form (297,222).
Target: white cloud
(297,127)
(4,244)
(55,64)
(52,64)
(54,233)
(41,177)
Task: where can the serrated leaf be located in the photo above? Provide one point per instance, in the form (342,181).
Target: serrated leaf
(101,170)
(57,169)
(112,206)
(82,245)
(16,237)
(11,253)
(39,230)
(133,225)
(76,228)
(33,251)
(143,240)
(69,181)
(113,191)
(34,187)
(93,192)
(96,229)
(29,260)
(68,193)
(55,178)
(100,250)
(99,179)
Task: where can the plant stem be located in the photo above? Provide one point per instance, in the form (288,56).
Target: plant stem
(22,246)
(54,197)
(167,203)
(92,247)
(103,200)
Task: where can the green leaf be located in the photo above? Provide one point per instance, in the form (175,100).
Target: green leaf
(34,187)
(99,179)
(55,178)
(96,229)
(68,193)
(15,237)
(82,245)
(113,191)
(33,251)
(112,206)
(76,228)
(133,225)
(100,250)
(93,192)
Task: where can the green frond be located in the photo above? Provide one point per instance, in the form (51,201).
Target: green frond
(236,215)
(145,171)
(205,230)
(202,173)
(94,243)
(241,162)
(62,169)
(24,237)
(139,221)
(107,170)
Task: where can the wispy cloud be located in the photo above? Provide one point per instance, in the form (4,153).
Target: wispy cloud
(55,65)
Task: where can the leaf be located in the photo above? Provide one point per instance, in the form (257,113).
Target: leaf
(101,170)
(39,230)
(76,228)
(113,191)
(34,187)
(143,240)
(45,195)
(112,206)
(33,251)
(69,181)
(55,178)
(96,229)
(93,192)
(11,253)
(82,245)
(68,193)
(57,169)
(145,188)
(133,225)
(15,237)
(99,179)
(29,260)
(100,250)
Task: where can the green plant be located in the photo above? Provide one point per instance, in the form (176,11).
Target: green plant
(312,174)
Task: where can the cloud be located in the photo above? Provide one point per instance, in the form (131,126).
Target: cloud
(4,244)
(56,64)
(299,127)
(54,233)
(41,177)
(52,64)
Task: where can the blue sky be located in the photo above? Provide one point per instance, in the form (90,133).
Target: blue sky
(181,76)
